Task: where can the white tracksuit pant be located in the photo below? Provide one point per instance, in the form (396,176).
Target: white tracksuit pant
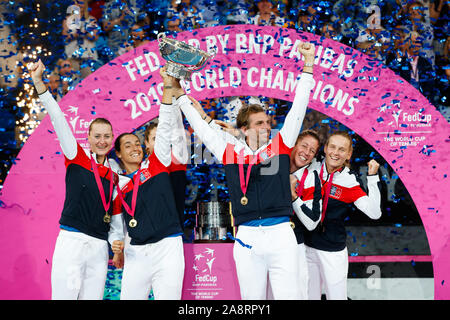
(158,266)
(302,275)
(327,270)
(303,272)
(79,267)
(274,253)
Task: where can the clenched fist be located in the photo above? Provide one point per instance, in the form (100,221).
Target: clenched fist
(373,167)
(117,246)
(308,50)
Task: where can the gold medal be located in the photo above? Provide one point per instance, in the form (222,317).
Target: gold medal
(244,200)
(292,225)
(132,223)
(106,218)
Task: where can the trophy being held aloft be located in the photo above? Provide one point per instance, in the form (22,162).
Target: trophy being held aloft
(182,59)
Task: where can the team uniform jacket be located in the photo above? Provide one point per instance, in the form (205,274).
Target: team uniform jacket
(308,206)
(268,194)
(155,213)
(268,190)
(177,174)
(158,208)
(330,235)
(83,208)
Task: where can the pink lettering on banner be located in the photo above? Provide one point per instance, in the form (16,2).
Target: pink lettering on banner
(362,94)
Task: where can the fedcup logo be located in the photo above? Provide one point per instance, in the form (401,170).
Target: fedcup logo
(396,116)
(203,267)
(79,125)
(416,119)
(403,119)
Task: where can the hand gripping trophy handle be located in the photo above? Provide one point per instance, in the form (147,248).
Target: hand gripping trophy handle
(182,59)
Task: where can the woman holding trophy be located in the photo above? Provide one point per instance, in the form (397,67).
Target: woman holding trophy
(178,166)
(145,202)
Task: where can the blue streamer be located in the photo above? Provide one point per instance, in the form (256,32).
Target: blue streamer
(238,240)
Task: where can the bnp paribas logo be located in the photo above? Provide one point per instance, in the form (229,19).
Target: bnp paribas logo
(203,266)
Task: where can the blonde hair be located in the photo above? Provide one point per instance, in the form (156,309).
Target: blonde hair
(346,135)
(99,121)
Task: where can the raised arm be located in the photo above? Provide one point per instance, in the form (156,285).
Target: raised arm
(221,127)
(215,142)
(296,114)
(179,141)
(163,150)
(64,133)
(371,204)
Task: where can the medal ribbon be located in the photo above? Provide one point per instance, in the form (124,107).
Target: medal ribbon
(100,185)
(131,210)
(327,192)
(301,185)
(244,184)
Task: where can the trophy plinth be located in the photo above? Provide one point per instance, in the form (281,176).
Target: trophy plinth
(182,59)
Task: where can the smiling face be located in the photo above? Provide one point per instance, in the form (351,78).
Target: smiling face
(338,150)
(130,152)
(100,138)
(258,129)
(304,152)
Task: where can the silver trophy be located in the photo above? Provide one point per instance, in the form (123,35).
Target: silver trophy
(182,59)
(213,222)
